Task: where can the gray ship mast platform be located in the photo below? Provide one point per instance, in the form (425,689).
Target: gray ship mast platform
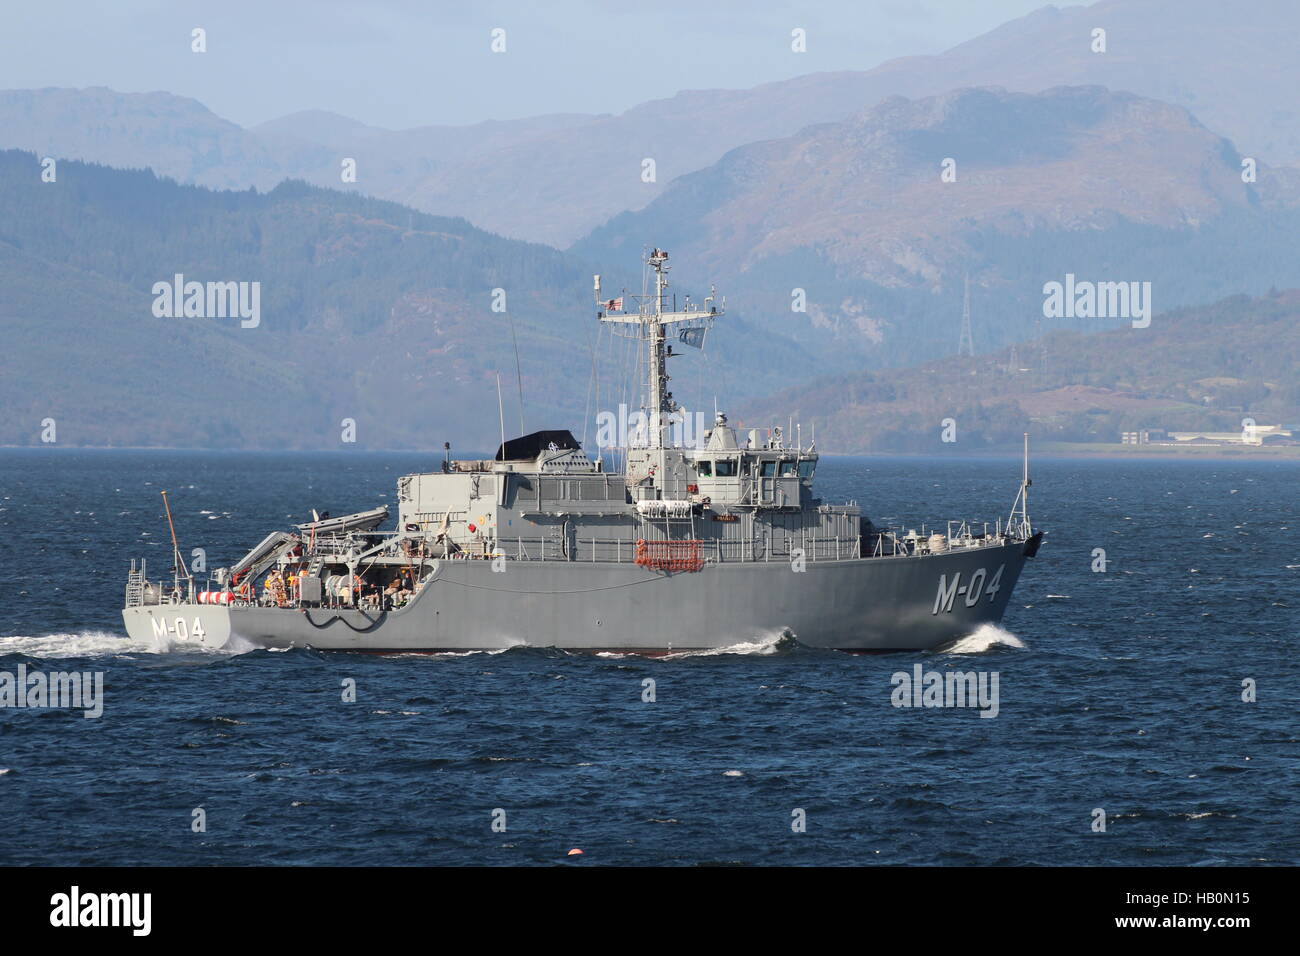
(653,322)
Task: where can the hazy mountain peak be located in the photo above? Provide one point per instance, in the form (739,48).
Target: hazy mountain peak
(322,126)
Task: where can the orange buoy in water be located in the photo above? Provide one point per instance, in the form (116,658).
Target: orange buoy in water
(575,852)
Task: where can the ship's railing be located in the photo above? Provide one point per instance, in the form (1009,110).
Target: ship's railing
(885,543)
(791,546)
(716,550)
(809,547)
(565,544)
(140,591)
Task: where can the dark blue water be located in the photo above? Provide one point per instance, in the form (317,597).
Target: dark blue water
(1125,695)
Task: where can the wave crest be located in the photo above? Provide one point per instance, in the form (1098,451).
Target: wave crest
(984,638)
(768,643)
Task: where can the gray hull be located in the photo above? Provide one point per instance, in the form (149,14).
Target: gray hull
(872,604)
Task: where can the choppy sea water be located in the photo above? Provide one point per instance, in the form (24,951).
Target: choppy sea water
(1118,690)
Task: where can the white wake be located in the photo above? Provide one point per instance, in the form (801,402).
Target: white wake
(763,644)
(984,638)
(81,644)
(93,644)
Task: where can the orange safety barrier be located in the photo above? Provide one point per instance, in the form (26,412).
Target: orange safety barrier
(670,555)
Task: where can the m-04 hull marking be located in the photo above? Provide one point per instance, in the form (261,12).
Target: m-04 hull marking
(177,629)
(971,591)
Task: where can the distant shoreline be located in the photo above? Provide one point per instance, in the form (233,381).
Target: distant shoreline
(1162,452)
(1101,450)
(1097,450)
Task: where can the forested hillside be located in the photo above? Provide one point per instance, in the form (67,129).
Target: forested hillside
(368,311)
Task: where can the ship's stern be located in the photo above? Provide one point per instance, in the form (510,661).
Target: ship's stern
(200,625)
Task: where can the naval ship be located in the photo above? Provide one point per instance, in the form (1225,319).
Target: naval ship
(685,545)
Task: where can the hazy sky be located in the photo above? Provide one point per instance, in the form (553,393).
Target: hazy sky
(400,63)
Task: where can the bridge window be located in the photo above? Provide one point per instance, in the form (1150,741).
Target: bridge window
(704,469)
(769,469)
(726,467)
(789,469)
(806,468)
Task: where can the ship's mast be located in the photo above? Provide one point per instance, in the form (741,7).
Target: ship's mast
(178,565)
(1022,499)
(659,402)
(654,318)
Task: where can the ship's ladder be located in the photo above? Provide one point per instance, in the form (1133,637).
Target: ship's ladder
(135,587)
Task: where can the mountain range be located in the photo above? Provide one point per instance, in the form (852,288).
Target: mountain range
(378,316)
(555,178)
(856,219)
(849,218)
